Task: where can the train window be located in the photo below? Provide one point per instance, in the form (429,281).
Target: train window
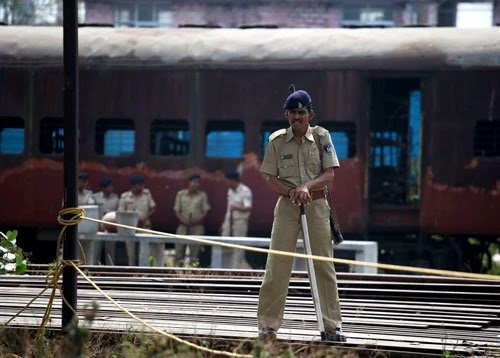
(115,137)
(169,137)
(343,137)
(385,150)
(268,127)
(11,135)
(52,136)
(487,138)
(225,139)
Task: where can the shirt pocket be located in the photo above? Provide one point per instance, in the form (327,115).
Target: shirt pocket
(287,169)
(313,168)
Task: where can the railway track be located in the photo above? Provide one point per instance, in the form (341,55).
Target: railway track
(394,313)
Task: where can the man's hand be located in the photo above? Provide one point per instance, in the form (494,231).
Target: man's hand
(300,195)
(184,220)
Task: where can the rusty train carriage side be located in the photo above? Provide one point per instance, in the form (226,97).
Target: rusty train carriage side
(454,191)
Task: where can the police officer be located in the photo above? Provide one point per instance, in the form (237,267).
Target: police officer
(85,198)
(108,203)
(191,206)
(239,206)
(298,164)
(140,200)
(84,194)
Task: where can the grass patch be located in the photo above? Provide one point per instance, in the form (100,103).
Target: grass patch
(78,342)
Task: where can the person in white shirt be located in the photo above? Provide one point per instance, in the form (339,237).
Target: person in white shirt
(239,207)
(108,203)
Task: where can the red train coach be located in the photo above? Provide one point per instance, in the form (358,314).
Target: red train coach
(414,115)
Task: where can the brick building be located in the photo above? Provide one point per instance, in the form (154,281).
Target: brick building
(277,13)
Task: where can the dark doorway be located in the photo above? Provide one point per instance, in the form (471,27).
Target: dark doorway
(395,127)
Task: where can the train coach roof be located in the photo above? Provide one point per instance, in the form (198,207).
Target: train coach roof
(398,48)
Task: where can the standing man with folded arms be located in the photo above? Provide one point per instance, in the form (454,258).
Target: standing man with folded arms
(191,206)
(298,165)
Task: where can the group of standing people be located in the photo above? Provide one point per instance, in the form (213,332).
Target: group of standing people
(191,207)
(298,165)
(137,199)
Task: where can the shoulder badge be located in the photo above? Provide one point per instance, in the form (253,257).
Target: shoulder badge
(327,148)
(276,134)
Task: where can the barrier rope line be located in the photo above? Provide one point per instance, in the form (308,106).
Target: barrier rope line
(54,273)
(392,267)
(52,280)
(166,334)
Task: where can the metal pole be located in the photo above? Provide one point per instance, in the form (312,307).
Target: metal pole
(70,39)
(312,273)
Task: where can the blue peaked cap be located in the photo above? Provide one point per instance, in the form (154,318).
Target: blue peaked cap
(105,182)
(136,179)
(298,99)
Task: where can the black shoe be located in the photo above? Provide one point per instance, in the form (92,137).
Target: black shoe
(337,237)
(267,334)
(335,336)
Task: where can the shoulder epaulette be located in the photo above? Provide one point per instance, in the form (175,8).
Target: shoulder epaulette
(277,133)
(320,131)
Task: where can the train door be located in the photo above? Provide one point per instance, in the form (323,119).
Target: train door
(394,160)
(394,149)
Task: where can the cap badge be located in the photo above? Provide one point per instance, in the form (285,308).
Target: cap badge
(300,105)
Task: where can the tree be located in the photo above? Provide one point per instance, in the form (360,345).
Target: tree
(31,12)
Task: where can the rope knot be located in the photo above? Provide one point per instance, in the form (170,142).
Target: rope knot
(70,216)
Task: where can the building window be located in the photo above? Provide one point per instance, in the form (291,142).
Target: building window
(343,137)
(474,14)
(51,136)
(142,14)
(11,135)
(366,15)
(115,137)
(225,139)
(487,138)
(170,137)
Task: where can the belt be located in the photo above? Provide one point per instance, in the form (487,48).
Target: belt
(317,194)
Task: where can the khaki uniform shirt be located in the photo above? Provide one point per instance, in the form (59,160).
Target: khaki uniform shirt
(241,196)
(142,203)
(106,204)
(293,163)
(193,205)
(85,198)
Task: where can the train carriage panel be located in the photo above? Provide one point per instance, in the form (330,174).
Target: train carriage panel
(462,170)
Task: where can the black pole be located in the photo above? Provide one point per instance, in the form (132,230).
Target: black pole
(70,36)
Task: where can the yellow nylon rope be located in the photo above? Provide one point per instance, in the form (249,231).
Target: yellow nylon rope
(305,256)
(123,309)
(78,214)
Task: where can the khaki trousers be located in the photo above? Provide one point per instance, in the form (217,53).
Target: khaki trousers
(194,249)
(286,228)
(239,229)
